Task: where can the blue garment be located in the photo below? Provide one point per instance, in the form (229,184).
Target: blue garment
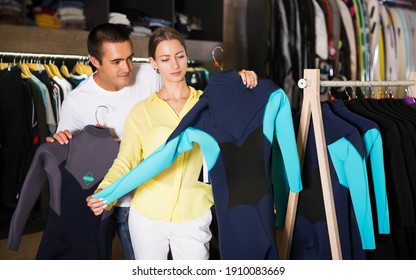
(350,192)
(66,235)
(347,154)
(235,127)
(373,146)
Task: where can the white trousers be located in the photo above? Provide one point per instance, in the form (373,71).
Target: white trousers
(151,239)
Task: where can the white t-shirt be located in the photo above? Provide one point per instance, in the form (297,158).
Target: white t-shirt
(89,104)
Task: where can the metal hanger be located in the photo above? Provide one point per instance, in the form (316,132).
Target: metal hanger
(96,117)
(216,63)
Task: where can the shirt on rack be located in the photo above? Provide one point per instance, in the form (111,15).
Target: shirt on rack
(45,83)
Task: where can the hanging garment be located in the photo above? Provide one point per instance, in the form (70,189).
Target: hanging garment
(40,110)
(373,146)
(16,134)
(45,82)
(73,172)
(350,190)
(401,207)
(234,126)
(407,135)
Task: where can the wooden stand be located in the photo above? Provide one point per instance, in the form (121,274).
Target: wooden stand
(311,106)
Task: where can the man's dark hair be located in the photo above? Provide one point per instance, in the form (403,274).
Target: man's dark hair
(105,33)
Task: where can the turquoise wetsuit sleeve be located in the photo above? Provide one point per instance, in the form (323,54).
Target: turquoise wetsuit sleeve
(160,160)
(278,121)
(352,174)
(278,130)
(374,148)
(208,144)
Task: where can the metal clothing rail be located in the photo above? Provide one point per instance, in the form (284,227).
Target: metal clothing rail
(302,83)
(311,107)
(60,56)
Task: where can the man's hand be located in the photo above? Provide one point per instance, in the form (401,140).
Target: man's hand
(62,137)
(249,78)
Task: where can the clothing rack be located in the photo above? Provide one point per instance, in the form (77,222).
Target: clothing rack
(59,56)
(311,106)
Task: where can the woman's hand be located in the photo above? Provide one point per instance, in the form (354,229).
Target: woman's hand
(97,205)
(249,78)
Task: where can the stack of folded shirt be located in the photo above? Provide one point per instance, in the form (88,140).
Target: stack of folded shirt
(46,17)
(189,26)
(154,23)
(71,14)
(11,12)
(121,20)
(141,30)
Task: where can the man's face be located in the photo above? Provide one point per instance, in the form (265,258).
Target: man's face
(113,73)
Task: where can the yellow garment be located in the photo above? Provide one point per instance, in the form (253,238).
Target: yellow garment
(46,20)
(175,195)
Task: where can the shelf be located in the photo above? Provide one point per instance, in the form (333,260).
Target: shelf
(209,11)
(57,41)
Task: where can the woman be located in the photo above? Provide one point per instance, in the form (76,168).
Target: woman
(172,210)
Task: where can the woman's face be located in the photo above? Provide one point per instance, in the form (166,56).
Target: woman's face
(171,60)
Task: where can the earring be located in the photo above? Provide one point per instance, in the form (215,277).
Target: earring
(157,70)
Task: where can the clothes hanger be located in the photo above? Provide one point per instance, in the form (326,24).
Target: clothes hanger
(216,63)
(87,68)
(408,96)
(348,96)
(35,66)
(64,70)
(331,97)
(54,69)
(353,94)
(81,68)
(48,70)
(4,65)
(78,69)
(24,69)
(98,125)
